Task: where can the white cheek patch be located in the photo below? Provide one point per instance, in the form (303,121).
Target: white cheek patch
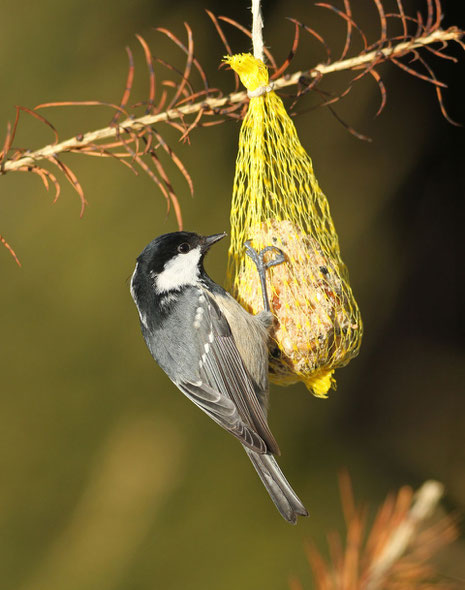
(180,271)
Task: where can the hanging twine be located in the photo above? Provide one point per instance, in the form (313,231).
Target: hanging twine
(257,26)
(257,43)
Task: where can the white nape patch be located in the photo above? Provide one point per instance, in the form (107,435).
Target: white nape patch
(133,293)
(180,271)
(211,337)
(143,316)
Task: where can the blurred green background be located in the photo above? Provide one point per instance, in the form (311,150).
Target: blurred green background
(110,479)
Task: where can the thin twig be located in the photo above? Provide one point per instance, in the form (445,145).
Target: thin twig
(257,30)
(210,104)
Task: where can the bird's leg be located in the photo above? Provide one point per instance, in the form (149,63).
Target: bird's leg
(262,266)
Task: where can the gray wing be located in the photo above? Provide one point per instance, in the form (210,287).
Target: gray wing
(225,389)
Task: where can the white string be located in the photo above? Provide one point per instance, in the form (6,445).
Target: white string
(260,90)
(257,26)
(257,41)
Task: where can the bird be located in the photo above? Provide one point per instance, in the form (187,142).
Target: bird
(211,348)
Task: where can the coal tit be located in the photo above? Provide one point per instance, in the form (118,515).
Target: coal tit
(212,349)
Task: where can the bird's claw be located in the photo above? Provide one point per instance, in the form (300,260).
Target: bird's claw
(259,260)
(259,257)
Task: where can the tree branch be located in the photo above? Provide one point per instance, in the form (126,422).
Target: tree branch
(424,504)
(213,104)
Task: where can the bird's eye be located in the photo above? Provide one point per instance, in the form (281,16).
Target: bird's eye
(184,248)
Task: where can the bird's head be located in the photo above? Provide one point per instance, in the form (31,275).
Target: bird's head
(173,261)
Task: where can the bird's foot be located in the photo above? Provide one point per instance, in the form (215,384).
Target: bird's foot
(259,260)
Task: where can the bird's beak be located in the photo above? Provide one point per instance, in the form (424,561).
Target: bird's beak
(208,241)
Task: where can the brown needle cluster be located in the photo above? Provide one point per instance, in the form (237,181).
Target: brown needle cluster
(394,553)
(134,136)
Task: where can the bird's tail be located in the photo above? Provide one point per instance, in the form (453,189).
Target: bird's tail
(284,497)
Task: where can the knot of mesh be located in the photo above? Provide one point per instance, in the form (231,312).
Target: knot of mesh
(252,71)
(277,201)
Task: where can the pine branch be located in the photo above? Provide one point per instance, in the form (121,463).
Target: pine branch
(396,551)
(134,136)
(213,104)
(423,506)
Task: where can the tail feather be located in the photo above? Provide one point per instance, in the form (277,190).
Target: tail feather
(284,497)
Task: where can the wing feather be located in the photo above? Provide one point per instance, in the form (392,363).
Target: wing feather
(225,389)
(223,413)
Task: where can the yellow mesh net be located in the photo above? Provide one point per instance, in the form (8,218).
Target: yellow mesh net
(277,201)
